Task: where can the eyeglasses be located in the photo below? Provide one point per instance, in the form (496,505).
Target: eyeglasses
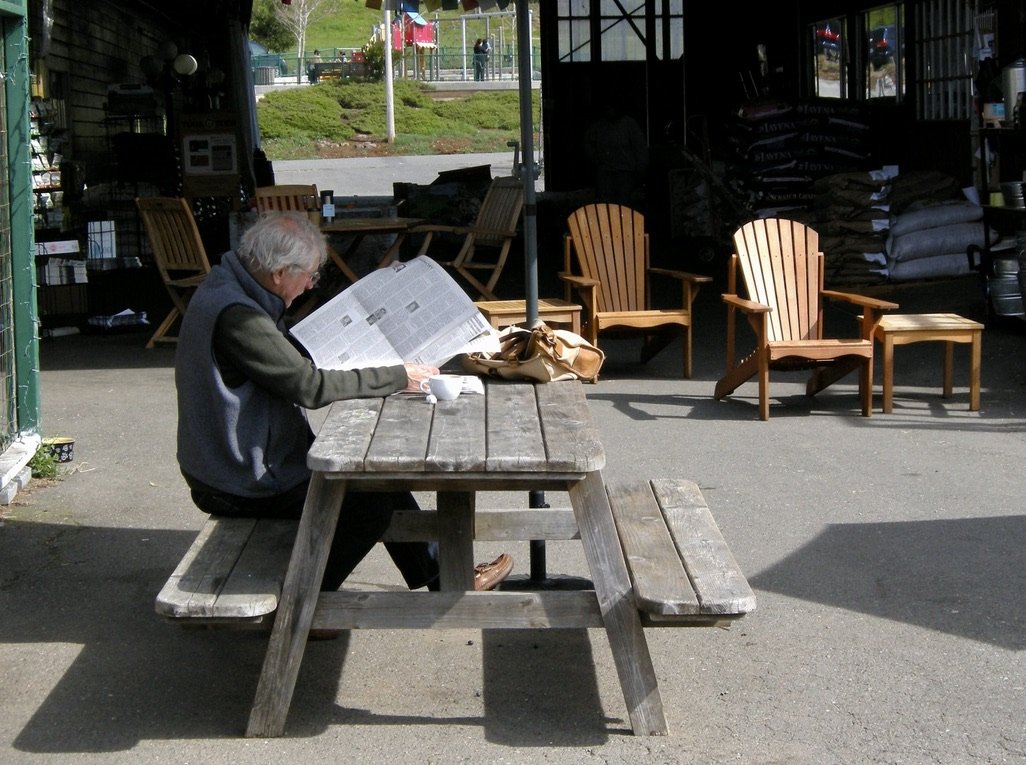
(313,276)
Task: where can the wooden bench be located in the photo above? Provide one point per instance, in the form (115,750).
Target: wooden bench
(682,572)
(330,70)
(232,574)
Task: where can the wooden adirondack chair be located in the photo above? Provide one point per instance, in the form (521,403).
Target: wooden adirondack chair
(782,270)
(287,198)
(612,249)
(178,253)
(494,229)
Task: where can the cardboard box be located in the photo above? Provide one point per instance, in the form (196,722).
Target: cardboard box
(64,247)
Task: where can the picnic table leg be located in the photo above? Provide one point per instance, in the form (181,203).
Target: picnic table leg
(619,614)
(393,250)
(456,540)
(340,260)
(296,606)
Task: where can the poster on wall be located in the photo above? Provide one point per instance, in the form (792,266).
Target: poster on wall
(212,154)
(210,160)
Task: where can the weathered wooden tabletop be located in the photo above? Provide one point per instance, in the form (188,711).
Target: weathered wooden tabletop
(517,434)
(369,225)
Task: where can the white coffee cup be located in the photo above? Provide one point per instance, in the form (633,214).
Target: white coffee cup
(443,387)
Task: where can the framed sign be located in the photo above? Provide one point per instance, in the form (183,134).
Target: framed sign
(210,154)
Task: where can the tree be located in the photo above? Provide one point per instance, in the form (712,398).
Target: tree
(374,58)
(266,29)
(296,17)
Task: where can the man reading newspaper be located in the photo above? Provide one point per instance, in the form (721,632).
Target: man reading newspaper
(406,312)
(243,386)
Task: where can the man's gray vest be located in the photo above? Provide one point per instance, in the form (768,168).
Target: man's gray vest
(244,440)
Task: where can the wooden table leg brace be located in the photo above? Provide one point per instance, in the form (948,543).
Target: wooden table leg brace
(299,596)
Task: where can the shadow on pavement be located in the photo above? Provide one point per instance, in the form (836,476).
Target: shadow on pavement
(963,577)
(130,676)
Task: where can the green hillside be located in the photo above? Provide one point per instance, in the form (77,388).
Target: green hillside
(351,27)
(347,119)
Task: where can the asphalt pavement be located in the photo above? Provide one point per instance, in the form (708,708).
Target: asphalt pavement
(374,176)
(888,555)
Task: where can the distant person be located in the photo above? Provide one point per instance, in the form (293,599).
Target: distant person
(312,73)
(479,59)
(617,154)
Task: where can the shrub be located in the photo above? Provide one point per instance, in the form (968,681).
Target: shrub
(310,112)
(44,463)
(318,120)
(493,111)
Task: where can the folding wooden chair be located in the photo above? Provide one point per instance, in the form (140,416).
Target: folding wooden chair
(178,253)
(494,229)
(287,198)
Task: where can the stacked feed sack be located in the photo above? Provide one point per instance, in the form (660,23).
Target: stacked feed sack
(779,150)
(762,165)
(851,214)
(839,133)
(932,226)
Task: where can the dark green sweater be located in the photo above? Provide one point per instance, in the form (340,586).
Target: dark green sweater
(248,346)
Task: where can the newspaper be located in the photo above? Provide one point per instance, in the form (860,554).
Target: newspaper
(407,312)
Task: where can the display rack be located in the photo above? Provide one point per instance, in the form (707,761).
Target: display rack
(60,268)
(1000,179)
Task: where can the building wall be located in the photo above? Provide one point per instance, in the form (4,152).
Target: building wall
(97,44)
(20,359)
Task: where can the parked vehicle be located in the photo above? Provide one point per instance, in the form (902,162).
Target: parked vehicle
(883,42)
(828,41)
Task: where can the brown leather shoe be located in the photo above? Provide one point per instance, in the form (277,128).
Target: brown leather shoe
(488,575)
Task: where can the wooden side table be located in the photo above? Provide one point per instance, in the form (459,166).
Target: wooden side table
(502,313)
(949,328)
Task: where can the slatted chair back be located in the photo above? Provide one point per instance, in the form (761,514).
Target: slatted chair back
(611,246)
(178,253)
(287,198)
(174,237)
(499,216)
(781,266)
(494,229)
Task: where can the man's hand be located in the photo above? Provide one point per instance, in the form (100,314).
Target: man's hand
(416,374)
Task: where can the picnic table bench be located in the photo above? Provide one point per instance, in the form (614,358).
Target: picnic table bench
(339,70)
(231,574)
(681,569)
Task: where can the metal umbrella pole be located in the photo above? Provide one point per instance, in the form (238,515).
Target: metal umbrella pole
(528,173)
(525,68)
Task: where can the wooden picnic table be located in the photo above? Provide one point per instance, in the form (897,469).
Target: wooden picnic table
(358,229)
(517,436)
